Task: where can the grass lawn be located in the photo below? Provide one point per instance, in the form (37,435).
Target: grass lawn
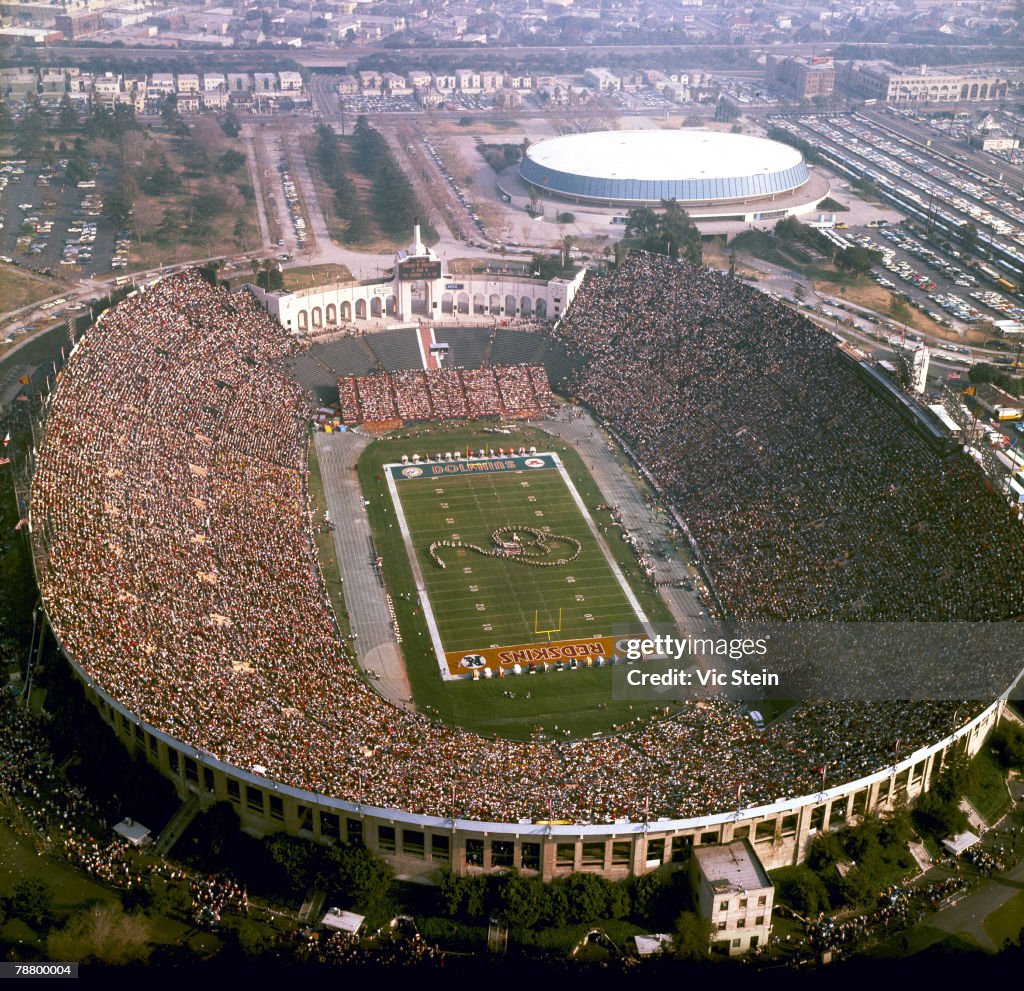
(1007,921)
(579,701)
(18,289)
(986,789)
(922,938)
(41,347)
(314,275)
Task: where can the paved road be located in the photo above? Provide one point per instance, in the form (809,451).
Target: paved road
(620,489)
(969,913)
(256,175)
(307,189)
(365,598)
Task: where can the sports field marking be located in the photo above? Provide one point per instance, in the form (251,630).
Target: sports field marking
(481,504)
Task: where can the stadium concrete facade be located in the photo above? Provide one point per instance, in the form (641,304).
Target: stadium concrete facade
(422,848)
(717,176)
(419,288)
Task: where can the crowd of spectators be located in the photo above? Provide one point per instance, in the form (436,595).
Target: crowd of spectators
(170,499)
(445,394)
(344,948)
(808,496)
(213,895)
(901,905)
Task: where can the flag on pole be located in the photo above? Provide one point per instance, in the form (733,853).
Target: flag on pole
(7,439)
(21,523)
(25,380)
(5,461)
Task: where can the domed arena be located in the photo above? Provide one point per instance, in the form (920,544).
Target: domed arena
(694,167)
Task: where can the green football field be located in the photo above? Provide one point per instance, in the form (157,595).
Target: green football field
(480,601)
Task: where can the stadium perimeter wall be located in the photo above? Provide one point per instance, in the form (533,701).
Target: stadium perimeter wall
(422,848)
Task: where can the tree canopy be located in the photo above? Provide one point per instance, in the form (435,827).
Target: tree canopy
(670,231)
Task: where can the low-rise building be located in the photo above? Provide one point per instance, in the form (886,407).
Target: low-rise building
(732,890)
(889,84)
(603,79)
(801,77)
(161,83)
(215,99)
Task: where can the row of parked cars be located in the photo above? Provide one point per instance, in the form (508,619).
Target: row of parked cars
(459,194)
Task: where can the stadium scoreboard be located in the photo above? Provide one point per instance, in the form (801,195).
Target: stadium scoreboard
(414,269)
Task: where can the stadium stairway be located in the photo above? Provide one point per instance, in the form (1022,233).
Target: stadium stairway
(973,817)
(176,826)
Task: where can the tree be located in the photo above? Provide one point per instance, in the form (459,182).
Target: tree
(826,851)
(33,902)
(231,160)
(521,900)
(231,125)
(365,878)
(270,279)
(79,165)
(1008,741)
(725,112)
(899,309)
(641,222)
(67,115)
(587,896)
(967,234)
(857,259)
(118,206)
(252,939)
(28,133)
(104,934)
(802,889)
(568,243)
(692,937)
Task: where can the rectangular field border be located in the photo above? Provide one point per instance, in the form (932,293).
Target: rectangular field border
(421,589)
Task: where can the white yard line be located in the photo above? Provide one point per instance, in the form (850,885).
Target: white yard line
(605,550)
(421,589)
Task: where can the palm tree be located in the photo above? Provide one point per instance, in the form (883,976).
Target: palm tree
(568,243)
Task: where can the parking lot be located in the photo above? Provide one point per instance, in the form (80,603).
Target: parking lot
(931,266)
(55,228)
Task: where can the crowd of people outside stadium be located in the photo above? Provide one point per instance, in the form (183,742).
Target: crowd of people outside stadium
(170,498)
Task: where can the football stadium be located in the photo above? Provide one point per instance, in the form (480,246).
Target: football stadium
(176,558)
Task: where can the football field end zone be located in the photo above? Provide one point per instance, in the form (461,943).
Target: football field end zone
(583,649)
